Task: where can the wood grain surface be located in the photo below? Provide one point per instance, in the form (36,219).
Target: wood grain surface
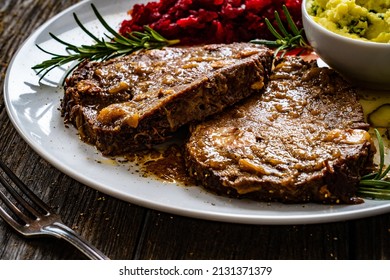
(126,231)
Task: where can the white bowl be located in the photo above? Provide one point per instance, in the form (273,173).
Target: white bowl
(364,63)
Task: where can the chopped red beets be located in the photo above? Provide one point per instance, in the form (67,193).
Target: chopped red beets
(209,21)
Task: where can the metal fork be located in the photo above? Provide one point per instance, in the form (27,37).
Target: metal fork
(34,217)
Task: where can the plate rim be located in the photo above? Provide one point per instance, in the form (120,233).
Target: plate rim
(313,218)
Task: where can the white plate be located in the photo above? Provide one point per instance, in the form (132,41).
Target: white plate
(33,109)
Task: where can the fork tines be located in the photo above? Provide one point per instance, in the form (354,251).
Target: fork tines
(14,193)
(30,216)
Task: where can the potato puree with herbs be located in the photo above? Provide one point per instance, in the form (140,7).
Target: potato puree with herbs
(359,19)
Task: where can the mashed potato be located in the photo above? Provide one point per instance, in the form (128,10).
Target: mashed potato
(359,19)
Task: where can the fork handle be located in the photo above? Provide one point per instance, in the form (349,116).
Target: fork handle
(64,232)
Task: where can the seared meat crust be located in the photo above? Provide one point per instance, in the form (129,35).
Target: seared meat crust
(303,140)
(133,102)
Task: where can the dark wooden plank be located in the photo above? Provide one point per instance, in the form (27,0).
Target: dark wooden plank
(109,223)
(370,238)
(197,239)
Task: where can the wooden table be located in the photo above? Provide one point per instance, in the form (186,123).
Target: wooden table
(126,231)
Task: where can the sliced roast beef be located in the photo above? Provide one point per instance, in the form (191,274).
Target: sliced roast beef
(133,102)
(303,140)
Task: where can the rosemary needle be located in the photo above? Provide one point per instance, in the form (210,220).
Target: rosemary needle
(376,185)
(114,45)
(285,40)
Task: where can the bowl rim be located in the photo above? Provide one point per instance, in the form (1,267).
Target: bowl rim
(305,14)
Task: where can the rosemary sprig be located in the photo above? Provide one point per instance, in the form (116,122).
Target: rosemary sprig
(285,40)
(375,185)
(114,45)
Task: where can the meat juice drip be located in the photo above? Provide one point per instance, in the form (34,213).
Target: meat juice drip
(164,162)
(169,167)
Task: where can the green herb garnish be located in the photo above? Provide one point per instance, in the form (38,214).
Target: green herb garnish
(114,45)
(376,185)
(285,40)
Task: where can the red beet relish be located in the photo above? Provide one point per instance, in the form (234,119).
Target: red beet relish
(210,21)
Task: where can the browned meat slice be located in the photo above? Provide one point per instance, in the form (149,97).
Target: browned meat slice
(303,140)
(132,102)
